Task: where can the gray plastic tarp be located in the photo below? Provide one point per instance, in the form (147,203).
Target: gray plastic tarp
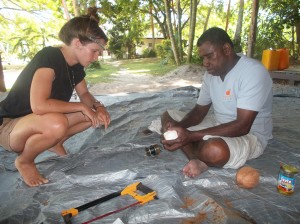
(101,162)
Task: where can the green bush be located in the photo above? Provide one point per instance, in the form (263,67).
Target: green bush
(195,56)
(149,53)
(237,46)
(164,51)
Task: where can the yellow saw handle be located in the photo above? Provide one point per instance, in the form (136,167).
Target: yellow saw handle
(132,189)
(68,214)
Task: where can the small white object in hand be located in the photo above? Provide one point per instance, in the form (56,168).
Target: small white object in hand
(170,135)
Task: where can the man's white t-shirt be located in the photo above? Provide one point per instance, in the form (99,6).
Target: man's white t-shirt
(247,86)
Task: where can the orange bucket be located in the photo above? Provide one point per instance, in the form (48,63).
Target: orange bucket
(284,61)
(270,59)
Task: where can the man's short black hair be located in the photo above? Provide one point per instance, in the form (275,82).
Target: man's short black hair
(216,36)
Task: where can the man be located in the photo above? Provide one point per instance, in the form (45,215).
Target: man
(239,89)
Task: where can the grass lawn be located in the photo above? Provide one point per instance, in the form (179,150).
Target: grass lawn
(151,66)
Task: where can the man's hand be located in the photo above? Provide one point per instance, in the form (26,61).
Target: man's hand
(182,139)
(168,125)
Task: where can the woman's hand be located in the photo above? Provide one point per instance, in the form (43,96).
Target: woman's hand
(91,114)
(103,116)
(98,116)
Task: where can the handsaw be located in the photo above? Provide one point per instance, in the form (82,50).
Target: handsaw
(132,190)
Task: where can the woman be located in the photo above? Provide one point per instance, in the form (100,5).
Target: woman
(36,114)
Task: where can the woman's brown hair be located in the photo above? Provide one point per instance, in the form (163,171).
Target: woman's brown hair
(84,27)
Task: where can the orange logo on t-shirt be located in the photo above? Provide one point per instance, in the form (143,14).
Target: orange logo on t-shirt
(228,96)
(227,93)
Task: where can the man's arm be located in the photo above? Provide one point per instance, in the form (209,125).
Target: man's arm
(195,116)
(239,127)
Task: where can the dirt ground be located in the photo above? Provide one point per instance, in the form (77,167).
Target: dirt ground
(126,81)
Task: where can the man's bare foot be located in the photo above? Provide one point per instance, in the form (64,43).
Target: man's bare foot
(194,168)
(59,150)
(30,174)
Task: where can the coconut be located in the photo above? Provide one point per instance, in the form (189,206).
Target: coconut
(170,135)
(247,177)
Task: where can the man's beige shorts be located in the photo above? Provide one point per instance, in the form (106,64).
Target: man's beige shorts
(5,129)
(241,148)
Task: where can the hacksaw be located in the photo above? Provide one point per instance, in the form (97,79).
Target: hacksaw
(131,190)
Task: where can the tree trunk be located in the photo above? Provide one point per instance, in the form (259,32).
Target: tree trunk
(293,51)
(228,15)
(253,27)
(162,26)
(208,15)
(152,25)
(193,11)
(159,14)
(2,83)
(66,11)
(297,25)
(239,25)
(76,7)
(179,29)
(174,16)
(171,33)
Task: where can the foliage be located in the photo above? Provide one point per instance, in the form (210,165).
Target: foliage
(26,27)
(274,23)
(282,16)
(116,43)
(164,51)
(149,53)
(237,46)
(158,13)
(287,11)
(195,57)
(128,25)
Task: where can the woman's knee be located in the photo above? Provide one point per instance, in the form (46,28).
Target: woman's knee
(57,124)
(215,152)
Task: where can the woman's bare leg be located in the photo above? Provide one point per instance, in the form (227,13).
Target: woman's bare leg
(32,135)
(77,124)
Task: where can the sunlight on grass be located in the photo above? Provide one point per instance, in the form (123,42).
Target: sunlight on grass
(154,65)
(101,75)
(142,71)
(143,66)
(150,66)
